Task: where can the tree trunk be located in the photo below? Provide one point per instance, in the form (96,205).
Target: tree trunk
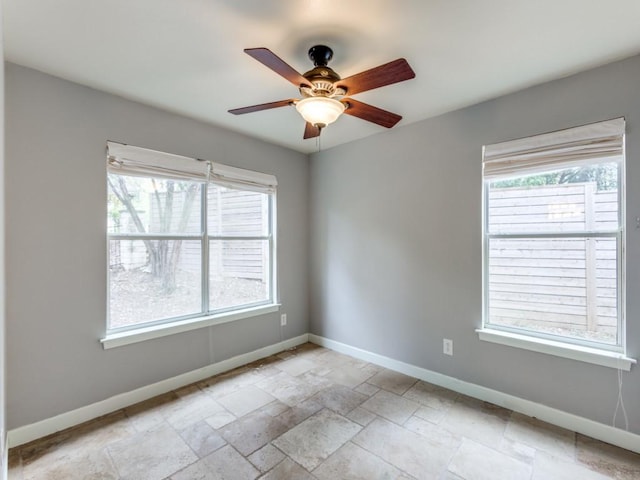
(164,255)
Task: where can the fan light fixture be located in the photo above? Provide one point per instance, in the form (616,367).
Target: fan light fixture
(325,95)
(320,111)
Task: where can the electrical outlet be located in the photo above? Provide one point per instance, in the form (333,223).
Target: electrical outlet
(283,319)
(447,346)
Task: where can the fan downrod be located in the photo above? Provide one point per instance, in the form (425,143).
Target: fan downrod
(320,55)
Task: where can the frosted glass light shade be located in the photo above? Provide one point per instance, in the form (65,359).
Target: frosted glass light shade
(320,111)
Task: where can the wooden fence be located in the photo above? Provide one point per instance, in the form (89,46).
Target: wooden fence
(230,213)
(553,284)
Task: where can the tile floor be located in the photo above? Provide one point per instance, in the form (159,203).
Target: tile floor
(311,413)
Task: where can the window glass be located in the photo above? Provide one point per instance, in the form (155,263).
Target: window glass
(553,233)
(234,212)
(154,279)
(557,286)
(238,272)
(151,205)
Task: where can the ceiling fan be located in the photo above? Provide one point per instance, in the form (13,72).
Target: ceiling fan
(325,96)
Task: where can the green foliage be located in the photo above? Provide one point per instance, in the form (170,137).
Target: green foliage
(605,176)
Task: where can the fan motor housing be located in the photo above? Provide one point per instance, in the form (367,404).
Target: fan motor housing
(321,77)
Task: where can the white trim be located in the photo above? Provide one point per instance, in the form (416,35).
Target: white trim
(112,340)
(600,431)
(575,352)
(28,433)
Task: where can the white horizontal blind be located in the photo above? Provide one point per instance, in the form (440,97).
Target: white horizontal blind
(242,179)
(137,161)
(551,151)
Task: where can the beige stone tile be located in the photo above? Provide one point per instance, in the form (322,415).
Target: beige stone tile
(485,426)
(286,354)
(309,349)
(288,389)
(151,455)
(431,430)
(227,464)
(319,381)
(102,431)
(150,413)
(265,367)
(220,419)
(406,450)
(478,462)
(245,400)
(77,452)
(607,459)
(485,407)
(367,389)
(391,381)
(548,467)
(348,375)
(430,414)
(391,406)
(313,440)
(202,438)
(253,431)
(229,382)
(295,366)
(352,462)
(77,441)
(190,409)
(517,450)
(431,396)
(72,466)
(361,416)
(339,398)
(275,408)
(266,458)
(332,359)
(451,476)
(288,470)
(541,436)
(195,471)
(300,412)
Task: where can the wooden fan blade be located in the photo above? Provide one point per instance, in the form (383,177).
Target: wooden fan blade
(387,74)
(275,63)
(311,131)
(262,106)
(370,113)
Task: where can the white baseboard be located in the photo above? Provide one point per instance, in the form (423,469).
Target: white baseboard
(600,431)
(28,433)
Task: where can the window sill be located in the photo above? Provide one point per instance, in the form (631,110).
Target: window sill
(550,347)
(156,331)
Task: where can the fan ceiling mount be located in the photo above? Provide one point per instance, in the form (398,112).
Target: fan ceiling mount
(325,96)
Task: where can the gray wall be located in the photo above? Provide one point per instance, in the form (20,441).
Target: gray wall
(56,261)
(396,242)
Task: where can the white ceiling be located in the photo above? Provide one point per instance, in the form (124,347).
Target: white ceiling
(186,56)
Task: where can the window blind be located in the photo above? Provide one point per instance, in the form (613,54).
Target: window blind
(136,161)
(572,147)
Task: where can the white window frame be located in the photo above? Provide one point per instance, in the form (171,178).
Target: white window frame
(540,154)
(129,160)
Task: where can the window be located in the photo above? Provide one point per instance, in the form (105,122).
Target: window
(553,236)
(186,238)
